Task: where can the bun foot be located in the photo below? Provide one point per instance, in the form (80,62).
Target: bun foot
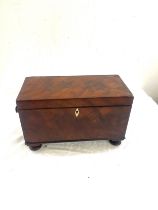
(115,143)
(35,147)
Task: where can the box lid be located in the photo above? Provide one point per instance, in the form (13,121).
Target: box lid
(73,91)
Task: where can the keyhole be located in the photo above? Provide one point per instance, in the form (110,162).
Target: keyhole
(77,112)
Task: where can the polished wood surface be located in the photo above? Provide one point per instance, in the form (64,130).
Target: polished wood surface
(73,108)
(62,124)
(71,91)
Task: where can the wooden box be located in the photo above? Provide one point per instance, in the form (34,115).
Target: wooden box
(73,108)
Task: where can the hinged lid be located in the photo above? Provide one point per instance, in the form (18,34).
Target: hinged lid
(73,91)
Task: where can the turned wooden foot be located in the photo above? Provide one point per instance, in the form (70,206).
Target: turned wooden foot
(115,143)
(35,147)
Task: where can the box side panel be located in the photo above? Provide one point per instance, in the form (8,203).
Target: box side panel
(60,124)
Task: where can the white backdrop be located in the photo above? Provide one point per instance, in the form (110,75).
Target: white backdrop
(80,37)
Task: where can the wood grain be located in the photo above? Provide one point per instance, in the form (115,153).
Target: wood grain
(50,125)
(46,106)
(72,91)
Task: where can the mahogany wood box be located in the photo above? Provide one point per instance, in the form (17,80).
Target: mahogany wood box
(73,108)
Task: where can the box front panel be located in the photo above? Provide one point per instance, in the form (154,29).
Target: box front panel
(64,124)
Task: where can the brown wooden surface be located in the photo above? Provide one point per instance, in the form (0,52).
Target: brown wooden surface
(73,91)
(47,105)
(50,125)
